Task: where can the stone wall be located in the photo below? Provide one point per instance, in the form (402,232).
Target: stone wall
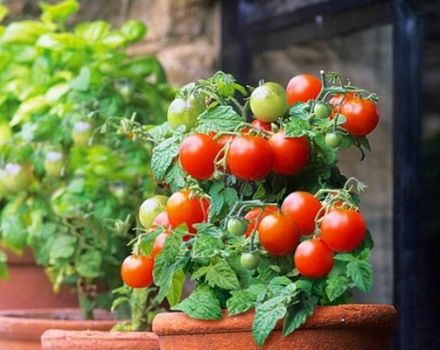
(184,34)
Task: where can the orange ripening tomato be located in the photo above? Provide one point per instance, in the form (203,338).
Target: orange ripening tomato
(343,230)
(137,271)
(250,158)
(162,219)
(184,209)
(290,154)
(197,154)
(303,208)
(278,234)
(313,258)
(254,217)
(302,88)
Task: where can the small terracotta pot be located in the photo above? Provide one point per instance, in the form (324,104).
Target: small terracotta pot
(94,340)
(343,327)
(22,329)
(28,286)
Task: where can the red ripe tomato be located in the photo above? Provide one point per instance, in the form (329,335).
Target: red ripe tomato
(137,271)
(162,220)
(290,154)
(343,230)
(197,154)
(260,125)
(278,234)
(255,216)
(159,243)
(223,140)
(250,157)
(303,208)
(183,209)
(302,88)
(313,258)
(362,116)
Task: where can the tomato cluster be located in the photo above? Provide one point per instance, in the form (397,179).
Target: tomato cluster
(334,229)
(181,208)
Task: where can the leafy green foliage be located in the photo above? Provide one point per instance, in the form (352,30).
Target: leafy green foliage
(53,77)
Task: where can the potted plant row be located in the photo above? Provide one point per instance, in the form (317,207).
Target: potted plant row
(70,175)
(260,218)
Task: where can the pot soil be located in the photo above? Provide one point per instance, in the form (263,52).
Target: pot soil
(94,340)
(29,287)
(343,327)
(22,329)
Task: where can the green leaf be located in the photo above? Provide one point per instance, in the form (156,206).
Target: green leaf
(63,247)
(163,156)
(326,152)
(209,229)
(217,198)
(176,177)
(266,318)
(361,273)
(243,300)
(89,264)
(300,110)
(223,276)
(344,257)
(336,286)
(202,303)
(296,127)
(206,246)
(82,81)
(166,265)
(176,288)
(59,12)
(133,30)
(297,314)
(3,265)
(219,118)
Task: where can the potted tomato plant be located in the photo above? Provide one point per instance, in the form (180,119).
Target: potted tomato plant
(261,219)
(70,174)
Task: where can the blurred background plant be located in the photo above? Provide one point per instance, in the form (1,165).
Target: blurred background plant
(71,177)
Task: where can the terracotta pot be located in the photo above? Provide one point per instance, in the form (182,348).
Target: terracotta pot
(22,329)
(29,287)
(344,327)
(94,340)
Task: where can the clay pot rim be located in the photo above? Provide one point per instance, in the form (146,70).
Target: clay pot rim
(97,335)
(340,316)
(14,323)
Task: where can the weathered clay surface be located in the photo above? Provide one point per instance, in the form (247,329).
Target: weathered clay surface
(38,292)
(344,327)
(22,329)
(94,340)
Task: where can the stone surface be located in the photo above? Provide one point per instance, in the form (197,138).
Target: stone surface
(95,340)
(345,327)
(185,34)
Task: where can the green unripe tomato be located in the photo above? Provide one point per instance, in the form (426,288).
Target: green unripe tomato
(333,139)
(237,226)
(17,177)
(322,110)
(269,102)
(5,133)
(151,208)
(54,164)
(81,134)
(249,260)
(184,112)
